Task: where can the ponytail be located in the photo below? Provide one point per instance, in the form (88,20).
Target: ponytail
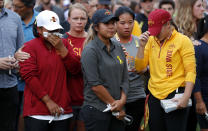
(35,31)
(91,35)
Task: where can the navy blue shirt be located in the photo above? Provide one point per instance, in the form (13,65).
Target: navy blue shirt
(143,21)
(201,83)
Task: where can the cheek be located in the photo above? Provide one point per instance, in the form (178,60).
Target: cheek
(131,26)
(120,27)
(198,13)
(84,22)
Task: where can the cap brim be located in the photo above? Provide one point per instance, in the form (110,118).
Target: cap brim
(154,31)
(109,18)
(53,27)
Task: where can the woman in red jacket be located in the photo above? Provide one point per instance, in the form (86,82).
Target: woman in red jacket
(77,18)
(46,99)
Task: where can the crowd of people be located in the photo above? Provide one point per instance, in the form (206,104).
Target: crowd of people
(103,65)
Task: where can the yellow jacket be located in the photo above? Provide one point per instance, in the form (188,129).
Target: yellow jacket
(136,29)
(171,65)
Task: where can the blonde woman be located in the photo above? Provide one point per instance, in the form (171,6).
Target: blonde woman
(188,14)
(77,18)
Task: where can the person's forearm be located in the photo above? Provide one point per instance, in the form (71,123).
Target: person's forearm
(103,94)
(45,99)
(198,97)
(123,97)
(140,52)
(188,89)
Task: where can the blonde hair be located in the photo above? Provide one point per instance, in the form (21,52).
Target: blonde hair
(91,35)
(77,6)
(184,17)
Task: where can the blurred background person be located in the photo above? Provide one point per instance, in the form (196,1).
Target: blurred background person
(11,39)
(142,17)
(25,9)
(126,3)
(136,94)
(8,4)
(168,5)
(92,8)
(138,8)
(134,5)
(116,4)
(201,85)
(189,12)
(59,3)
(103,4)
(77,19)
(205,3)
(66,4)
(47,5)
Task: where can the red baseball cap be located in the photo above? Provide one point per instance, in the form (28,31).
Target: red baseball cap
(156,20)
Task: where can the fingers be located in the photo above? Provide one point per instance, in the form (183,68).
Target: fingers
(56,111)
(196,43)
(53,39)
(145,36)
(114,106)
(124,50)
(7,63)
(200,111)
(201,108)
(22,56)
(10,60)
(121,115)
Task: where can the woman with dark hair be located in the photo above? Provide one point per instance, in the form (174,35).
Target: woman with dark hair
(105,76)
(201,85)
(136,94)
(188,13)
(47,100)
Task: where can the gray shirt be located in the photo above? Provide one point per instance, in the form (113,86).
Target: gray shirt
(136,81)
(11,39)
(101,67)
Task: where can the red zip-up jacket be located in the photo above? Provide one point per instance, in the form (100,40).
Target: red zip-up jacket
(45,74)
(75,81)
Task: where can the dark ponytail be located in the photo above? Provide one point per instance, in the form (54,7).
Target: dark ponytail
(35,31)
